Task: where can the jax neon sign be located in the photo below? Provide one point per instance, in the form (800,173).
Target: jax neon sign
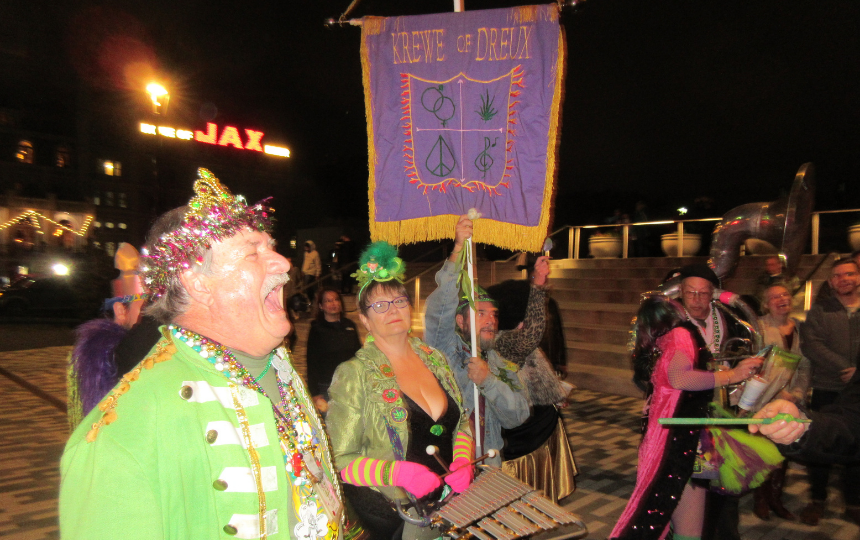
(246,139)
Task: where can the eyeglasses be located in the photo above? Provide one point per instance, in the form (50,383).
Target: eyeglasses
(382,305)
(693,295)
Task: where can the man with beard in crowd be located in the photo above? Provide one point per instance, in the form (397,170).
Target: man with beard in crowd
(502,401)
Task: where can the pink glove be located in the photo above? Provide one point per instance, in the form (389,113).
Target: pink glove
(414,478)
(461,475)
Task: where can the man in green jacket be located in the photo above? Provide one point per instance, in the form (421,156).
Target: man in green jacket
(213,434)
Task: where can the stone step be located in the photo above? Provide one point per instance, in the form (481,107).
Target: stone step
(598,296)
(603,379)
(574,314)
(626,264)
(597,333)
(650,272)
(604,283)
(597,354)
(752,265)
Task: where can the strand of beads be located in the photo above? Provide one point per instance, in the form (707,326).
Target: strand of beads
(296,441)
(218,355)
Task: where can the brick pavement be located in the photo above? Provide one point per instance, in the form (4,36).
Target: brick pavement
(603,430)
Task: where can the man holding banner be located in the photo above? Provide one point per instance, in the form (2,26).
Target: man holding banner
(502,401)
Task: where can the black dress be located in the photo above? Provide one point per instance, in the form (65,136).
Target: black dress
(377,513)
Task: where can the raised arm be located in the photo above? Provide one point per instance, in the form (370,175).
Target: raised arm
(516,344)
(441,306)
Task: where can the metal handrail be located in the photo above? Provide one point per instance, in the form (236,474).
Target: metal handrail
(426,270)
(575,232)
(816,225)
(321,279)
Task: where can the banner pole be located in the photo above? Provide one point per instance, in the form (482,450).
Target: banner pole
(475,352)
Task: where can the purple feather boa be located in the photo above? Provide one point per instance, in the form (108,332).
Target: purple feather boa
(93,363)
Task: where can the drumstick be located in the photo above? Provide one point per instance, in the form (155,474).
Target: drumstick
(490,454)
(731,421)
(434,451)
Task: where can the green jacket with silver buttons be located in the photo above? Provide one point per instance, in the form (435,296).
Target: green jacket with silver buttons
(168,458)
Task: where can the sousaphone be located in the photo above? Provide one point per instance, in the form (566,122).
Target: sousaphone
(783,223)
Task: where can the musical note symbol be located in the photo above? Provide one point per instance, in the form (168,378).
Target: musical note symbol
(485,161)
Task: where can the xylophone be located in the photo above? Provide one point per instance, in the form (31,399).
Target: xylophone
(499,507)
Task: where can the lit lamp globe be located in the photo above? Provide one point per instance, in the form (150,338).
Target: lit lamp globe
(159,96)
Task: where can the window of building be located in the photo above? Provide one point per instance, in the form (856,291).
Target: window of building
(121,225)
(110,248)
(24,153)
(112,168)
(97,200)
(121,200)
(109,224)
(108,198)
(64,157)
(97,224)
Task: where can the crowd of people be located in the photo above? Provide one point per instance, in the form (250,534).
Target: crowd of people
(211,431)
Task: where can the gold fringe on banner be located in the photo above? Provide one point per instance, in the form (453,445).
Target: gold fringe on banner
(488,231)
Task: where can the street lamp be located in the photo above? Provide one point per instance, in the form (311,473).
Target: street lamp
(160,98)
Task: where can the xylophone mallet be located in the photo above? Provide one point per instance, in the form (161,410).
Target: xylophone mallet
(491,453)
(434,451)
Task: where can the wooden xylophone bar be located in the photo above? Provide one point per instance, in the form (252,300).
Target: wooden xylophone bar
(499,507)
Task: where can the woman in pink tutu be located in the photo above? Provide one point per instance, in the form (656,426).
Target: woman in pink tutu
(670,358)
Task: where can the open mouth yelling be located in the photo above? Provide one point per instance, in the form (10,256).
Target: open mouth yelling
(274,301)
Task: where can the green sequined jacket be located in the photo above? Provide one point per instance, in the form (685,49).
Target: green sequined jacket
(365,396)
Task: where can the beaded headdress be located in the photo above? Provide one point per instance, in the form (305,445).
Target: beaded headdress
(379,262)
(213,215)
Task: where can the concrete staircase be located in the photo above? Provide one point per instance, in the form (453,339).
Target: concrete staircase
(599,298)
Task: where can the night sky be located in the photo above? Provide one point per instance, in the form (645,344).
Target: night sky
(665,101)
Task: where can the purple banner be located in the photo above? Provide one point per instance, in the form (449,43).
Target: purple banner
(463,110)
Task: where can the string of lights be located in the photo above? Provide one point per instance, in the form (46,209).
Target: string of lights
(27,215)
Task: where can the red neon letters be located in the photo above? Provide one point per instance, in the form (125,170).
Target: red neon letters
(230,137)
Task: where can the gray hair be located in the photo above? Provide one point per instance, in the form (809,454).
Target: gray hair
(175,300)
